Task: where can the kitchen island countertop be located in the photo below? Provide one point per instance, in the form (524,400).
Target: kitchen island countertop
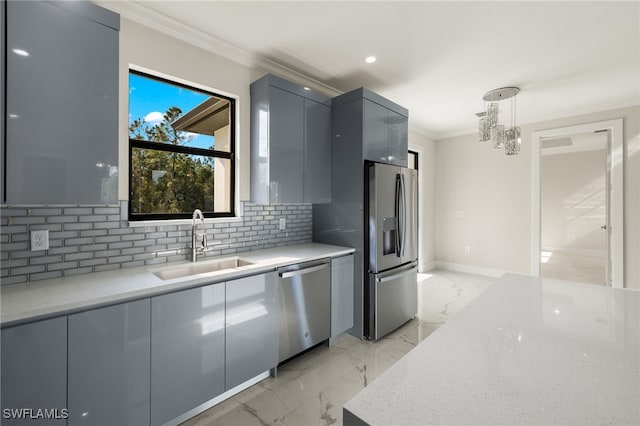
(528,351)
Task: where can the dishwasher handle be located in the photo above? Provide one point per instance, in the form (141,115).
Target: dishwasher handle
(303,271)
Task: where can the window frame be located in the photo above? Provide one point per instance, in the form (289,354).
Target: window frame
(181,149)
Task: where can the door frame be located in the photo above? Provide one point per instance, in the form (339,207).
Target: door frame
(616,206)
(420,155)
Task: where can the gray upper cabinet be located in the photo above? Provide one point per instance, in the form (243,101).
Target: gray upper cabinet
(109,362)
(341,294)
(251,327)
(375,132)
(61,103)
(383,129)
(398,146)
(3,50)
(188,347)
(290,143)
(317,158)
(34,369)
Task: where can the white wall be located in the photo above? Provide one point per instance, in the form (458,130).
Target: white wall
(153,50)
(426,149)
(493,191)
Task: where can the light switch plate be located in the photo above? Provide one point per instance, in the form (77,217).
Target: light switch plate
(40,240)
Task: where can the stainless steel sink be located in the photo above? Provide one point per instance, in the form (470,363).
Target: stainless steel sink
(202,268)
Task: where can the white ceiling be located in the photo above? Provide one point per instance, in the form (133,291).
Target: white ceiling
(435,58)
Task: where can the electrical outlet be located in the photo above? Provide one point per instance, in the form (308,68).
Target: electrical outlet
(283,223)
(40,240)
(467,249)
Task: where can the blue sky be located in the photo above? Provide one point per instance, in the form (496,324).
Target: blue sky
(149,99)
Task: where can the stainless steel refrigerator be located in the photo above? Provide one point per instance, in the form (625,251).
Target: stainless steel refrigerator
(391,293)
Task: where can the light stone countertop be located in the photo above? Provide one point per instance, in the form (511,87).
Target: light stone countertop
(21,303)
(527,351)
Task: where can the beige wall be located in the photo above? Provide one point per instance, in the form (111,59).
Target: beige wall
(493,192)
(144,47)
(426,149)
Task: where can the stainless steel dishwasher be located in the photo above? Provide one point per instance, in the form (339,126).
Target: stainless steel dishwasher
(305,306)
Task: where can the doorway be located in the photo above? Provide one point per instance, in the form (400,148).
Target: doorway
(573,207)
(577,203)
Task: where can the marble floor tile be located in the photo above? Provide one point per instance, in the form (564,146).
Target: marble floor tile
(311,389)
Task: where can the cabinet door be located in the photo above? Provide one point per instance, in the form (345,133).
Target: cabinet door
(398,139)
(286,146)
(375,132)
(2,91)
(62,104)
(109,360)
(317,156)
(187,343)
(260,146)
(251,327)
(34,369)
(342,287)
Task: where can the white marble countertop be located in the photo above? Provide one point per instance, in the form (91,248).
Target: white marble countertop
(42,299)
(527,351)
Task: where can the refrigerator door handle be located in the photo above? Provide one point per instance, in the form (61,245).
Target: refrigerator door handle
(398,196)
(396,276)
(404,215)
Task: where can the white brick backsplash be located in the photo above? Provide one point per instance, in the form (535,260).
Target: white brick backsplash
(87,239)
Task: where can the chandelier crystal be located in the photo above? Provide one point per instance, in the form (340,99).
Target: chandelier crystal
(489,127)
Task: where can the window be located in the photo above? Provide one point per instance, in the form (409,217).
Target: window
(181,150)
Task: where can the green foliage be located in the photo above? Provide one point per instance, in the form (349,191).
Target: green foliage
(168,182)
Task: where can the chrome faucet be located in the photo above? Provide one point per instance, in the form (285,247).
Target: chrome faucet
(194,250)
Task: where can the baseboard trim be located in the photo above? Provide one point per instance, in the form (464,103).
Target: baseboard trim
(469,269)
(218,399)
(426,267)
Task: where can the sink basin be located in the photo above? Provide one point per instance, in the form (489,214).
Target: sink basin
(202,268)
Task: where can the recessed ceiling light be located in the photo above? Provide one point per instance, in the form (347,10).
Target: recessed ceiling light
(21,52)
(370,59)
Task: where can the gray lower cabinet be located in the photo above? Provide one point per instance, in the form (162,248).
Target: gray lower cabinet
(61,103)
(109,361)
(188,350)
(342,287)
(251,327)
(34,371)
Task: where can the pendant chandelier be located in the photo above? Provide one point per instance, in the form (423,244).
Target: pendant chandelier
(489,127)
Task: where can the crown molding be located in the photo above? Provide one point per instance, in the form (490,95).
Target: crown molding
(144,15)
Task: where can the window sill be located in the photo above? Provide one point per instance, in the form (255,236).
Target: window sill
(170,222)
